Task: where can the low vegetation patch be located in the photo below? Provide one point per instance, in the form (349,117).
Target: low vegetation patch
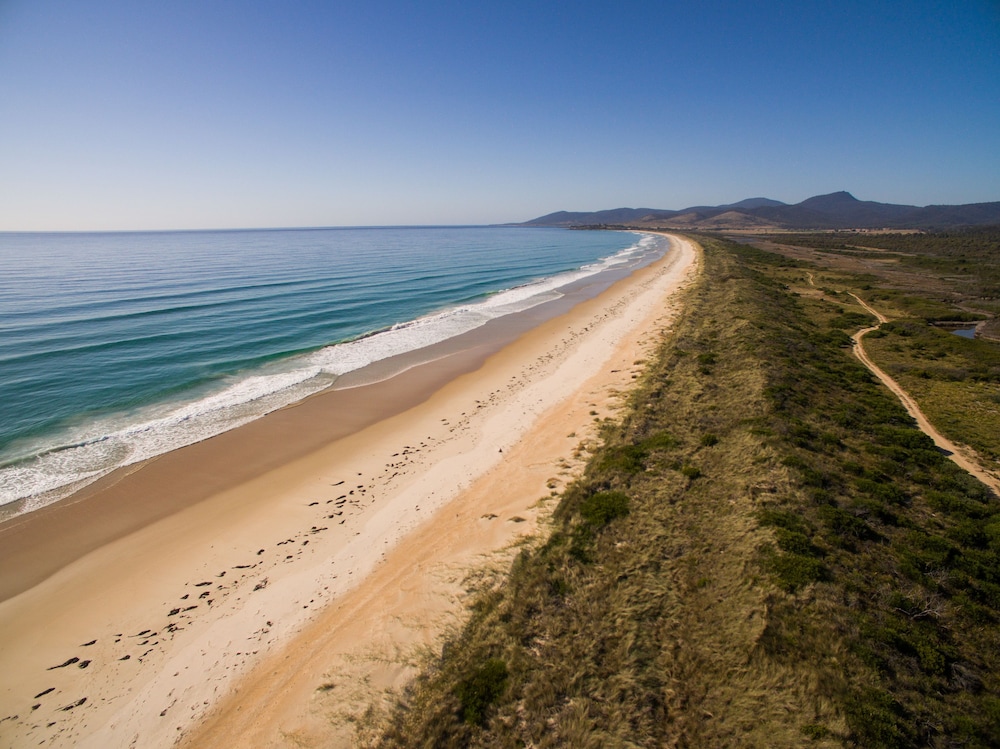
(477,692)
(956,380)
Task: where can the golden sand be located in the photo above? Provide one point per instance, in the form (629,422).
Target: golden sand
(263,587)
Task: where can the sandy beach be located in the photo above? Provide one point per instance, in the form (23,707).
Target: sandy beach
(268,586)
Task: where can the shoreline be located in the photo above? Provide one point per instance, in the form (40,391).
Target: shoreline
(120,443)
(38,543)
(169,617)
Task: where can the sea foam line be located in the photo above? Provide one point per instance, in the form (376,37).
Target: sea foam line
(103,445)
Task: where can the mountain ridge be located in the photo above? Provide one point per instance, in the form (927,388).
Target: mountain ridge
(836,210)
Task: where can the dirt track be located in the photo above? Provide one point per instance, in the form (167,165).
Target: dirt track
(960,456)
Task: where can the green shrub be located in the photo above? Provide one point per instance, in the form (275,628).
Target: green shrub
(845,526)
(690,471)
(796,543)
(794,571)
(957,506)
(889,493)
(558,586)
(852,320)
(600,509)
(706,359)
(480,690)
(783,519)
(929,551)
(660,441)
(905,437)
(815,732)
(876,509)
(876,719)
(624,459)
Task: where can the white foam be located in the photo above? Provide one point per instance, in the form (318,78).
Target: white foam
(110,443)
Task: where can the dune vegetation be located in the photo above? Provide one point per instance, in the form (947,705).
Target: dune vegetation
(764,551)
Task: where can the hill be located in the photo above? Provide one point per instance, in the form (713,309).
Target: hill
(838,210)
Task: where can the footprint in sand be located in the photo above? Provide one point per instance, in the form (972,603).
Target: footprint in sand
(70,662)
(72,705)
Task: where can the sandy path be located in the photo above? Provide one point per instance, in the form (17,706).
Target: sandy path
(137,641)
(963,457)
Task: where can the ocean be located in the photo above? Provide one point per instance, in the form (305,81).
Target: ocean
(117,347)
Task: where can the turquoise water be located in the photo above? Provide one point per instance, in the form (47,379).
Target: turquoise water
(115,347)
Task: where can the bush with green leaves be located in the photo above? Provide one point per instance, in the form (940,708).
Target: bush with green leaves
(480,690)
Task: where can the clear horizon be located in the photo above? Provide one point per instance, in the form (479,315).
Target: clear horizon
(223,229)
(135,116)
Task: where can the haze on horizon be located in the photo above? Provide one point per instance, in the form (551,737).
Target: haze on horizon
(129,114)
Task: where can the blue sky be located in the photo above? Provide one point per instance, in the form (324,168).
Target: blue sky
(128,114)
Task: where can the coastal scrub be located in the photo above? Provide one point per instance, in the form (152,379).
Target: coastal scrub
(765,551)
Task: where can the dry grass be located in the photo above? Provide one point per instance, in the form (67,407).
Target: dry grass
(747,560)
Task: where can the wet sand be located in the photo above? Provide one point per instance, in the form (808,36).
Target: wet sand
(234,548)
(33,546)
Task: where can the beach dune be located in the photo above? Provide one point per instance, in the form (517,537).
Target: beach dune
(279,578)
